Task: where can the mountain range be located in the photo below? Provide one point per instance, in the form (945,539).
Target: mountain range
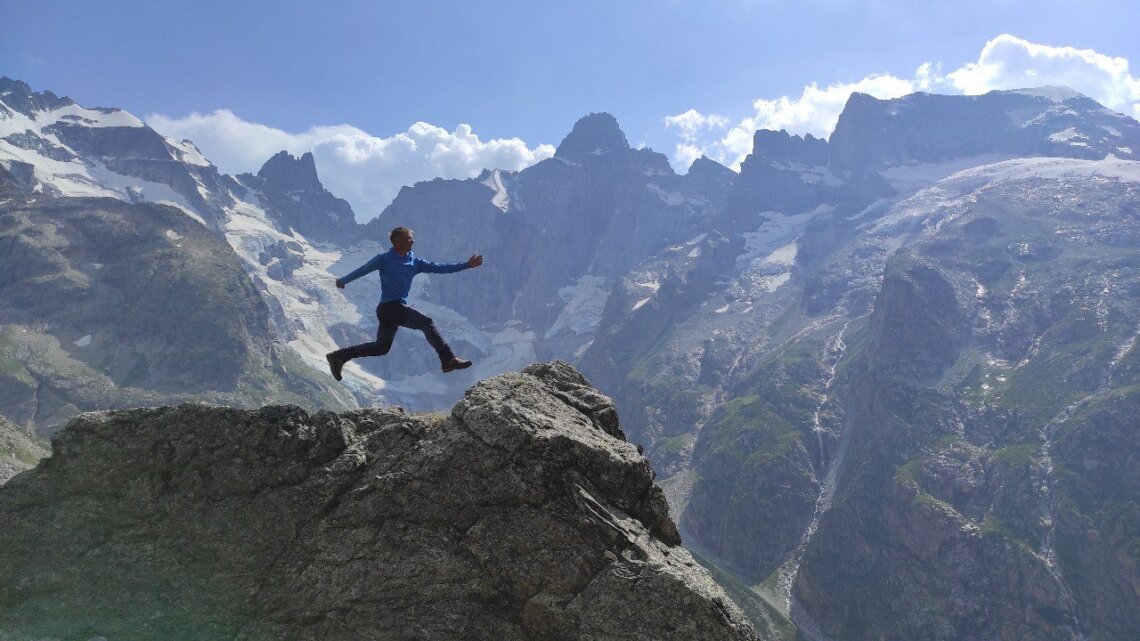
(888,379)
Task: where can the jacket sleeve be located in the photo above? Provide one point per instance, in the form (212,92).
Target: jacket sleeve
(426,266)
(366,268)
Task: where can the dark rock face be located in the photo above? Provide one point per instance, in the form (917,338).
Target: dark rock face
(779,146)
(916,325)
(519,516)
(594,134)
(294,198)
(283,172)
(19,96)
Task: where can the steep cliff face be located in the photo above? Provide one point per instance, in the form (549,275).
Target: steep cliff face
(521,515)
(899,436)
(113,304)
(986,410)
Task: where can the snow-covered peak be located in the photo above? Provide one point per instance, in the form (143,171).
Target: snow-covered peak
(189,153)
(78,115)
(928,128)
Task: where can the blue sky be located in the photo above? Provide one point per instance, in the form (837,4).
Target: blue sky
(387,93)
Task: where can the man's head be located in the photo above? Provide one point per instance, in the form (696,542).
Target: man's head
(402,240)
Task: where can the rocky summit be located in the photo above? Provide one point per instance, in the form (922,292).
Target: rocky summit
(522,514)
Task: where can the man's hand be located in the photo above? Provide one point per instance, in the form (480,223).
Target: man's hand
(475,261)
(339,285)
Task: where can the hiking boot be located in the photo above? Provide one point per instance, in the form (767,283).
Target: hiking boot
(454,364)
(335,364)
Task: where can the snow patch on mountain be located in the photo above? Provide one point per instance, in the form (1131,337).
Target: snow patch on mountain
(774,237)
(783,257)
(91,117)
(308,298)
(930,209)
(652,286)
(911,178)
(584,302)
(189,153)
(501,199)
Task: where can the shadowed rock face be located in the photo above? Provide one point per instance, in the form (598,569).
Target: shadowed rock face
(522,515)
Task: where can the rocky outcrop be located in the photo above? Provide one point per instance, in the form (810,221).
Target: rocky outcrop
(521,515)
(20,97)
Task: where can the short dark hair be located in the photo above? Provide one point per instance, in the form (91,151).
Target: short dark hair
(397,232)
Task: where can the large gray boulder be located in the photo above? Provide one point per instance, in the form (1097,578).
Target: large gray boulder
(521,515)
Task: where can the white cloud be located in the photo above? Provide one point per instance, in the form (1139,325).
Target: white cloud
(692,122)
(1006,62)
(365,170)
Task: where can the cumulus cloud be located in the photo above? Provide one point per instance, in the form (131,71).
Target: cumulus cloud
(1006,62)
(692,126)
(365,170)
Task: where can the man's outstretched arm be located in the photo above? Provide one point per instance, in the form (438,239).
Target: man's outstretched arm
(426,266)
(366,268)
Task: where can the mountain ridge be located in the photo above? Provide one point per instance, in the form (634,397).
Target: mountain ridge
(853,361)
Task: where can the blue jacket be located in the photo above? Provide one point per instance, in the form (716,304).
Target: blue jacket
(397,272)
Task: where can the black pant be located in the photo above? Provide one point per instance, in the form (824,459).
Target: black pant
(393,315)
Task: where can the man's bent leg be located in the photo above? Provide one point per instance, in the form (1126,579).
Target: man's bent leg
(389,318)
(416,320)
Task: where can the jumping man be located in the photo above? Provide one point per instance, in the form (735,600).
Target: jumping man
(397,267)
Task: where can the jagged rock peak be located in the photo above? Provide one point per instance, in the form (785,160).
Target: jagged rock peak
(707,167)
(19,96)
(522,514)
(781,147)
(285,172)
(597,133)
